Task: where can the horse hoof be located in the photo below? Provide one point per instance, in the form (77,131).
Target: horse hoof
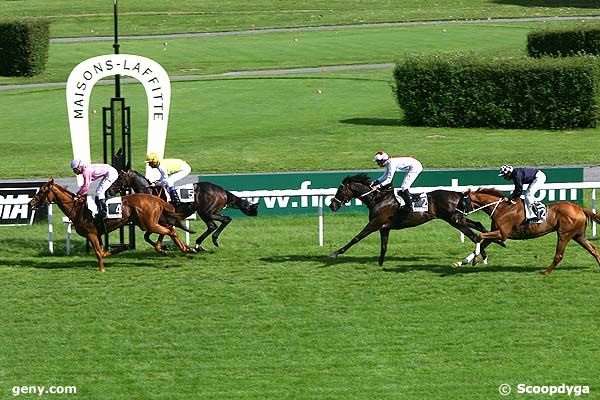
(485,261)
(334,255)
(199,248)
(191,250)
(216,243)
(457,264)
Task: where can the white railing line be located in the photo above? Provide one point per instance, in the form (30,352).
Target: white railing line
(461,188)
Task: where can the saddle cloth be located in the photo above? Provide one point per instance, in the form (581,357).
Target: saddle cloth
(113,207)
(420,203)
(541,211)
(185,192)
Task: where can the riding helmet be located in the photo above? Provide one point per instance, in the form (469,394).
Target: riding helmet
(505,170)
(381,156)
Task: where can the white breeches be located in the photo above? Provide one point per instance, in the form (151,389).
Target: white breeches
(177,176)
(105,183)
(532,189)
(411,176)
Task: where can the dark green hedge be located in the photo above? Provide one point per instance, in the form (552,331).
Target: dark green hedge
(473,91)
(23,47)
(564,42)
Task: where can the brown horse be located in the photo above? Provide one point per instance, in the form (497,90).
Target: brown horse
(508,222)
(385,213)
(150,213)
(209,201)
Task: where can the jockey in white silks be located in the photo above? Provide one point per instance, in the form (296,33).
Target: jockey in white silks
(391,165)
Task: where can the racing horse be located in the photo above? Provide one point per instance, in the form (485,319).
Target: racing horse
(150,213)
(385,213)
(568,220)
(209,200)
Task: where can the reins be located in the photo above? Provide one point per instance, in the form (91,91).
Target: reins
(495,204)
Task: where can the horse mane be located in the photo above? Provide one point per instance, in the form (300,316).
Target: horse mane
(360,178)
(490,191)
(139,176)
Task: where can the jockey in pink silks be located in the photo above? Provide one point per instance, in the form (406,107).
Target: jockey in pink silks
(91,172)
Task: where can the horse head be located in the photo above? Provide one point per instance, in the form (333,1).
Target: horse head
(351,187)
(129,180)
(43,196)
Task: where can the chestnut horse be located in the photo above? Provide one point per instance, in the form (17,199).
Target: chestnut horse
(150,213)
(209,201)
(508,222)
(385,213)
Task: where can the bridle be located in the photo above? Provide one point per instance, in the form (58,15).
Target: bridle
(44,196)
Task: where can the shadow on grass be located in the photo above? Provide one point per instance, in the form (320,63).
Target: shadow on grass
(328,261)
(550,3)
(122,260)
(443,269)
(450,270)
(373,121)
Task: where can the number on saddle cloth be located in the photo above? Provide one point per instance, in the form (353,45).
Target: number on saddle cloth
(113,207)
(541,210)
(420,202)
(186,193)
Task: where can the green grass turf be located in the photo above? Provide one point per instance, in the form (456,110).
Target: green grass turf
(269,315)
(277,124)
(94,18)
(219,54)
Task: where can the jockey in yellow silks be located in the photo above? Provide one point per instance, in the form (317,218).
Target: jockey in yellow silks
(171,170)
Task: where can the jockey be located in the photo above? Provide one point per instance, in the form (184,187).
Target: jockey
(391,165)
(171,170)
(90,172)
(531,176)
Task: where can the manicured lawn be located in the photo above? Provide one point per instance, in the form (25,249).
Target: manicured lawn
(269,315)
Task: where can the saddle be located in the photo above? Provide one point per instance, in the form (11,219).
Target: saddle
(419,201)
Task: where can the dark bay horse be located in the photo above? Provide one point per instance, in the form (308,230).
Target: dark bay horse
(385,213)
(568,220)
(150,213)
(209,200)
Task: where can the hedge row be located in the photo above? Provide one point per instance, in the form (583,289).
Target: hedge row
(564,42)
(474,91)
(24,47)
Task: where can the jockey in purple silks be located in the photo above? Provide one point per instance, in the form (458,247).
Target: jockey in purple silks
(91,172)
(408,164)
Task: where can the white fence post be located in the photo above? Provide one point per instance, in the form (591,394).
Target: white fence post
(50,229)
(321,221)
(594,210)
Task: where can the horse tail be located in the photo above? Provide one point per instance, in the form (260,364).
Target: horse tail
(241,204)
(173,219)
(591,215)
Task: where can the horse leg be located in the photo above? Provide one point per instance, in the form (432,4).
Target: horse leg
(157,245)
(561,244)
(366,231)
(172,233)
(384,233)
(211,226)
(473,238)
(225,220)
(95,241)
(586,244)
(473,257)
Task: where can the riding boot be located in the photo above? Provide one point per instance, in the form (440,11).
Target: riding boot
(175,200)
(101,203)
(101,216)
(405,194)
